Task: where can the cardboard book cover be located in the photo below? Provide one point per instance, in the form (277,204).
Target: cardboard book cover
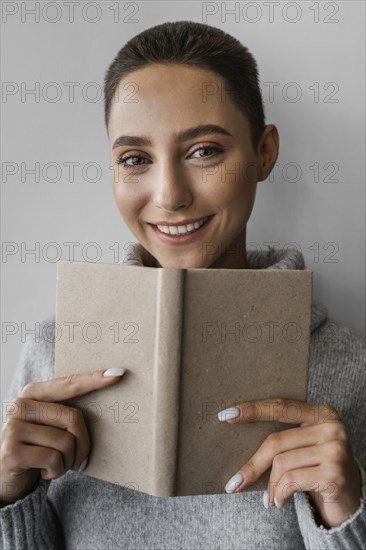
(194,342)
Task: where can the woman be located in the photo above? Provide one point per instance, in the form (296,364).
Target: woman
(189,143)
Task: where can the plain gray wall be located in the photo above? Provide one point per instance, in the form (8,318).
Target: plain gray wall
(318,106)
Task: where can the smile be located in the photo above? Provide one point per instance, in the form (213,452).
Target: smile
(182,229)
(182,234)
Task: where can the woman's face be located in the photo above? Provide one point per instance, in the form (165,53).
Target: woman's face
(175,178)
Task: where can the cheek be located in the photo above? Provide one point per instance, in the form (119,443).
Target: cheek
(234,194)
(235,199)
(128,198)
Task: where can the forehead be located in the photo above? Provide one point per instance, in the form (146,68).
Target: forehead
(172,95)
(177,81)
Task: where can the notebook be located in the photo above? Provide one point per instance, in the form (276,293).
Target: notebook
(194,342)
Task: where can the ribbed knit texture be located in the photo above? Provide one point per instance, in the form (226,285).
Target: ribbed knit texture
(79,512)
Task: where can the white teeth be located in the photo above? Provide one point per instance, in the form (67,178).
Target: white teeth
(182,229)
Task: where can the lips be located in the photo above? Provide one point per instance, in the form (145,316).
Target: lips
(182,238)
(183,229)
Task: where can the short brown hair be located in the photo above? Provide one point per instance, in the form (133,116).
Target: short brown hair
(197,44)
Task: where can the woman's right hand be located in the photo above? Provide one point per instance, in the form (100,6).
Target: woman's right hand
(35,443)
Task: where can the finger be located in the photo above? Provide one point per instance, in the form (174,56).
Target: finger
(55,415)
(292,460)
(304,479)
(280,442)
(49,461)
(43,436)
(67,387)
(280,410)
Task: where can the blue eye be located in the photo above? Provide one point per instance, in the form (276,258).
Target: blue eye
(123,159)
(209,147)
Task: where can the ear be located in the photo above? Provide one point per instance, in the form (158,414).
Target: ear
(267,151)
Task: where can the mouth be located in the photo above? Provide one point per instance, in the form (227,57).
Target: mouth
(182,233)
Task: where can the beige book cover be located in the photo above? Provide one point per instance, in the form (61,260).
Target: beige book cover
(194,342)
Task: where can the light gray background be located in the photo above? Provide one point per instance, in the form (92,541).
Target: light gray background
(312,130)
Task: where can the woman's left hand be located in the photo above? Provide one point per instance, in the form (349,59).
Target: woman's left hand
(315,457)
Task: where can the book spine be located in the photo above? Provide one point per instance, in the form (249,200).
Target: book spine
(166,379)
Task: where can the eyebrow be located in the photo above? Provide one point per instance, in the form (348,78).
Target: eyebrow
(185,135)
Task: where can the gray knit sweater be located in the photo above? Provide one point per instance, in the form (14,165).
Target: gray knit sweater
(79,512)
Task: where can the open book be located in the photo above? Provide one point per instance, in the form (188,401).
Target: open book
(194,342)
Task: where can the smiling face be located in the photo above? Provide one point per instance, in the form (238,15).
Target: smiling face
(178,176)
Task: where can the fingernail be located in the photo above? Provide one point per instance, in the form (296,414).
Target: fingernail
(276,503)
(266,499)
(114,372)
(234,482)
(229,414)
(83,465)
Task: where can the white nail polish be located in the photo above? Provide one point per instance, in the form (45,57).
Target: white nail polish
(83,465)
(229,414)
(114,372)
(276,503)
(266,499)
(234,482)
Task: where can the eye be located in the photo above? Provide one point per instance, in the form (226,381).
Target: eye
(123,160)
(217,150)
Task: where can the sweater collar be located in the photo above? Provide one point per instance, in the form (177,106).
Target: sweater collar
(286,258)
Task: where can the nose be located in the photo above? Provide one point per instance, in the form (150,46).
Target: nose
(172,189)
